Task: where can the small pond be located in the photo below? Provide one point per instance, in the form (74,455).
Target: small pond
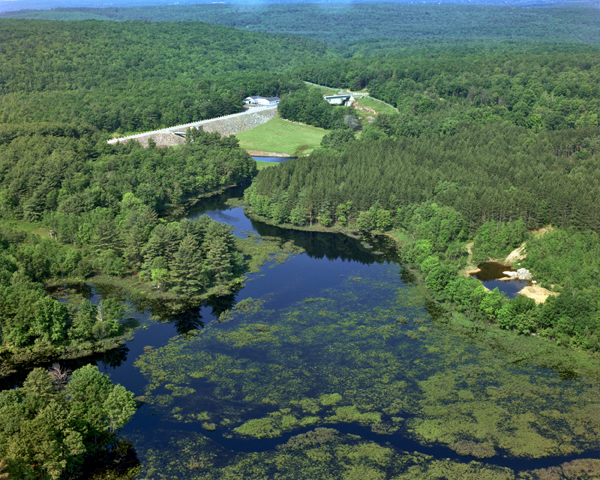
(490,274)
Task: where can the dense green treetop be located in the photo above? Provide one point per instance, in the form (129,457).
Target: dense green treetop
(495,172)
(42,55)
(365,28)
(434,93)
(103,203)
(51,425)
(71,170)
(138,76)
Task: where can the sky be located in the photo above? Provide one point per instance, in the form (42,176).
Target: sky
(13,5)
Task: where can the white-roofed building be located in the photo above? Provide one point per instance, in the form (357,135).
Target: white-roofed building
(261,101)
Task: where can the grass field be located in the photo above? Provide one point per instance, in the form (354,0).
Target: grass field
(260,165)
(376,105)
(324,90)
(27,227)
(279,136)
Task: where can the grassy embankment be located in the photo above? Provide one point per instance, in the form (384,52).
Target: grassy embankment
(280,136)
(376,105)
(369,102)
(260,165)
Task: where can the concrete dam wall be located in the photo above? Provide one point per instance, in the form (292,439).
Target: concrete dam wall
(226,125)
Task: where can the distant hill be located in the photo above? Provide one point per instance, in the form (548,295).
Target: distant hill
(367,28)
(139,76)
(15,5)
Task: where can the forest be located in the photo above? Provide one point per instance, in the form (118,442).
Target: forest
(434,93)
(139,76)
(485,148)
(506,173)
(373,27)
(496,143)
(103,204)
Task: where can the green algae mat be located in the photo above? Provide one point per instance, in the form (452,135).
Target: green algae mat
(361,383)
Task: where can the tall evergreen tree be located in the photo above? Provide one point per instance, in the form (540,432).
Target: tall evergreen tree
(186,268)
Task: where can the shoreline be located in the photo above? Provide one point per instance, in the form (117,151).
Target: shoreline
(531,291)
(259,153)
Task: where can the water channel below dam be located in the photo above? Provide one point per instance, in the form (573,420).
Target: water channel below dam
(330,365)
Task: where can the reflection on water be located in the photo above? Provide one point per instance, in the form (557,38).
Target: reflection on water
(492,271)
(338,338)
(489,274)
(352,348)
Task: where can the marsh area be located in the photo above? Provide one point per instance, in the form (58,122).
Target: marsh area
(333,364)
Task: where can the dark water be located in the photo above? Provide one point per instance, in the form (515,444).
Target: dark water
(491,272)
(357,279)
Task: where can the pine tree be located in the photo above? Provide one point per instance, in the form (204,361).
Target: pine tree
(162,243)
(186,268)
(106,237)
(218,263)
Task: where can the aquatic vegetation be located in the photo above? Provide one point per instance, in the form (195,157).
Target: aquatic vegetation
(330,399)
(309,405)
(381,428)
(250,334)
(584,468)
(260,427)
(321,454)
(244,307)
(343,358)
(427,468)
(309,439)
(477,450)
(259,250)
(352,414)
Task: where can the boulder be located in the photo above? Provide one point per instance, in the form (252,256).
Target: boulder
(521,274)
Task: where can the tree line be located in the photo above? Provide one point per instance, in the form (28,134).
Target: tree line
(369,28)
(139,76)
(102,204)
(495,172)
(437,92)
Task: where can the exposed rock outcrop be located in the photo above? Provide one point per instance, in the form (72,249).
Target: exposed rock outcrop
(521,274)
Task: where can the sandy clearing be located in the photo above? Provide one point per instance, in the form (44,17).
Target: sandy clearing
(539,294)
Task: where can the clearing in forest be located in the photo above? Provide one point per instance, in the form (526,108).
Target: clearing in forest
(260,165)
(376,105)
(280,136)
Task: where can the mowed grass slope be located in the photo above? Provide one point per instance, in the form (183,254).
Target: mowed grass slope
(279,136)
(260,165)
(376,105)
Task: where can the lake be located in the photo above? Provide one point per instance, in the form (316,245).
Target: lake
(334,365)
